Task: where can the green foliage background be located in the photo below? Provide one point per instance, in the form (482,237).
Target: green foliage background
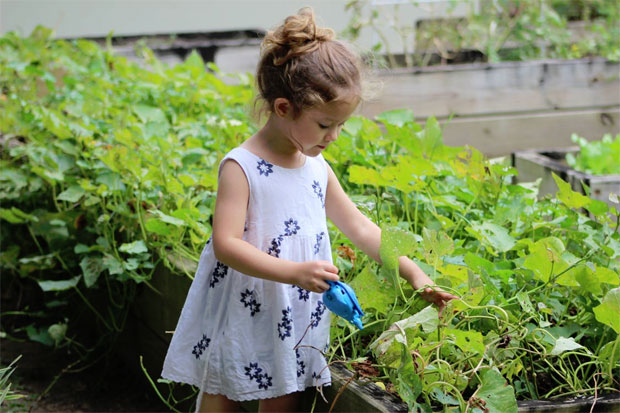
(108,171)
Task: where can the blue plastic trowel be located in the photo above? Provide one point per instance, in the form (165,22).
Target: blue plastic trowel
(341,300)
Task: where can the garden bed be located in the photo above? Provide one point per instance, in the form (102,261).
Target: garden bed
(153,317)
(114,168)
(541,163)
(504,107)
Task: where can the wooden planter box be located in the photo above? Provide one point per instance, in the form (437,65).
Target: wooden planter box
(534,164)
(504,107)
(153,314)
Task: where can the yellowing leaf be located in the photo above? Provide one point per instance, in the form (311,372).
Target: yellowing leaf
(569,197)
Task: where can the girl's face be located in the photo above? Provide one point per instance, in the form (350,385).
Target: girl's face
(315,128)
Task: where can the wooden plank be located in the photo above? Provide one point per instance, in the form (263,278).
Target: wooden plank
(160,313)
(502,135)
(498,88)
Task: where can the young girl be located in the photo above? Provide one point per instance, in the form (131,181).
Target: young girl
(257,291)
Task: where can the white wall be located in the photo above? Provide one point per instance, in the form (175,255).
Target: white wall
(96,18)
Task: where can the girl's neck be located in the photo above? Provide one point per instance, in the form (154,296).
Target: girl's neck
(272,144)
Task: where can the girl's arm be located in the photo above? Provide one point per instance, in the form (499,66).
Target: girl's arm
(229,216)
(366,235)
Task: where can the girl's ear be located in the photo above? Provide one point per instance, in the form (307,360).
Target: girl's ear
(282,107)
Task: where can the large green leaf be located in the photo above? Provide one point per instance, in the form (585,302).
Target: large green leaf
(91,268)
(372,291)
(563,344)
(136,247)
(493,236)
(384,347)
(499,397)
(468,341)
(609,309)
(72,194)
(545,258)
(394,244)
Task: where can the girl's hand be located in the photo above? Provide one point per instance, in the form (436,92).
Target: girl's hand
(438,297)
(312,275)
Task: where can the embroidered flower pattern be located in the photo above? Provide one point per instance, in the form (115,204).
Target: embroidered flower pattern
(285,327)
(317,246)
(219,272)
(248,299)
(274,249)
(315,317)
(201,346)
(303,294)
(255,373)
(264,381)
(301,366)
(319,192)
(291,227)
(264,168)
(316,376)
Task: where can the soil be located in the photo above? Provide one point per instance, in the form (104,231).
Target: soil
(106,387)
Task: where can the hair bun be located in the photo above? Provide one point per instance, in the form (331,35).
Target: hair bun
(297,36)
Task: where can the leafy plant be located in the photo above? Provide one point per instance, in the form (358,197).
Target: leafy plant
(493,30)
(5,385)
(596,157)
(108,171)
(534,276)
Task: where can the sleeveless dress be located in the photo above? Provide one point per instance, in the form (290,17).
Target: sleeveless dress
(237,334)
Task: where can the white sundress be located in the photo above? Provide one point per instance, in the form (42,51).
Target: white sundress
(237,334)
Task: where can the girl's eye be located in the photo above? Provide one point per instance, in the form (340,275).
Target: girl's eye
(323,126)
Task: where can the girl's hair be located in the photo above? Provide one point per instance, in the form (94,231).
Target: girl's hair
(306,65)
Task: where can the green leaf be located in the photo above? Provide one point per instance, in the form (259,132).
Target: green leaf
(59,285)
(384,346)
(158,226)
(81,249)
(607,276)
(16,216)
(136,247)
(408,382)
(39,335)
(545,258)
(495,391)
(493,236)
(372,291)
(427,318)
(150,114)
(569,197)
(436,244)
(468,341)
(563,344)
(72,194)
(606,353)
(112,264)
(607,312)
(394,244)
(365,176)
(396,117)
(91,268)
(169,219)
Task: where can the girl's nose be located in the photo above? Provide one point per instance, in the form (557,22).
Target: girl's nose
(332,135)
